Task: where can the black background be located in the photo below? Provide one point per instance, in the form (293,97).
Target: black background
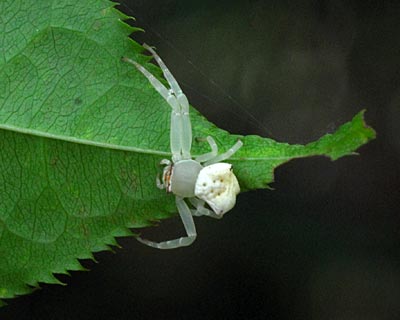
(325,243)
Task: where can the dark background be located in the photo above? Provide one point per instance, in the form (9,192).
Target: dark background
(325,243)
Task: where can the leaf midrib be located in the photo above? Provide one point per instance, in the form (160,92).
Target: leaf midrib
(121,147)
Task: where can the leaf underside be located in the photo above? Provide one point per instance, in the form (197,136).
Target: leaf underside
(82,134)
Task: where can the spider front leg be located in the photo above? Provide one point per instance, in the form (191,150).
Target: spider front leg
(185,135)
(190,228)
(176,114)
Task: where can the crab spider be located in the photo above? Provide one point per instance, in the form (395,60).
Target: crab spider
(203,180)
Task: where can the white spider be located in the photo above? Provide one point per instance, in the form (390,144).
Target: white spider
(200,180)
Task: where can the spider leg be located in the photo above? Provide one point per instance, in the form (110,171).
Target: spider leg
(190,228)
(186,128)
(201,211)
(226,154)
(209,155)
(165,162)
(162,90)
(159,184)
(176,114)
(186,133)
(167,74)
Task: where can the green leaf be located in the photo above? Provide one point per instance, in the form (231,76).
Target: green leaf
(82,134)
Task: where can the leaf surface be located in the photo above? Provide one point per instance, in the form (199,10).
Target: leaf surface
(82,134)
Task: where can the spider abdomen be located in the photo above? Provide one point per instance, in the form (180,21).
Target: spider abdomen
(217,185)
(184,176)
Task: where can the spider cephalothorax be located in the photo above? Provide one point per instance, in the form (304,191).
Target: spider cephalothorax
(202,180)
